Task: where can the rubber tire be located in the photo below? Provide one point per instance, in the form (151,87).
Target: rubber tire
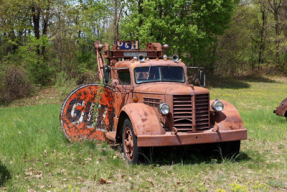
(230,149)
(137,150)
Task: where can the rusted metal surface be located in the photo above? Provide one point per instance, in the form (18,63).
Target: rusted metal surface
(223,127)
(186,138)
(228,119)
(128,142)
(190,120)
(100,58)
(281,110)
(144,119)
(169,88)
(153,50)
(87,113)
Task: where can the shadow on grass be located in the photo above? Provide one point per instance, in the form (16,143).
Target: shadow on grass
(4,103)
(4,174)
(188,155)
(234,83)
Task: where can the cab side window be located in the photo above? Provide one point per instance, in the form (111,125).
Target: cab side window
(125,78)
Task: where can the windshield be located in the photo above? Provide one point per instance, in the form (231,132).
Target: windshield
(159,73)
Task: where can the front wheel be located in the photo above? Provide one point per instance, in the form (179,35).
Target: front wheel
(230,149)
(129,141)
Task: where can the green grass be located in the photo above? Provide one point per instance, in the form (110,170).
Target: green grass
(255,105)
(35,155)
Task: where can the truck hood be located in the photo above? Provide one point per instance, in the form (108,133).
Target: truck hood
(170,89)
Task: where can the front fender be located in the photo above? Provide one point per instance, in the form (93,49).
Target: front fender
(282,108)
(143,119)
(228,119)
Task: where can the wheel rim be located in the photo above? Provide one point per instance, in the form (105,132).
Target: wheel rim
(128,143)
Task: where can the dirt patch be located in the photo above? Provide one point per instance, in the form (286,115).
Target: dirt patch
(42,96)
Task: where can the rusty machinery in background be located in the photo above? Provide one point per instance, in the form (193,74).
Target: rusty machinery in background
(281,110)
(146,101)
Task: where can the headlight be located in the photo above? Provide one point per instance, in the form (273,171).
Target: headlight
(217,106)
(163,108)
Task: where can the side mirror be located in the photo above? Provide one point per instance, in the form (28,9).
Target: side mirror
(198,77)
(107,74)
(201,77)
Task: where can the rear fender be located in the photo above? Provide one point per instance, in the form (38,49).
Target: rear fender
(143,119)
(228,119)
(282,108)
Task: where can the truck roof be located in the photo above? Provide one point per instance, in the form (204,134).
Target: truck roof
(146,63)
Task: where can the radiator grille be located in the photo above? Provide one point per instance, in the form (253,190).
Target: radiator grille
(152,102)
(182,112)
(202,112)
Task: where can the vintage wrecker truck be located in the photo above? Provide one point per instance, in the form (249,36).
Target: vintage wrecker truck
(145,100)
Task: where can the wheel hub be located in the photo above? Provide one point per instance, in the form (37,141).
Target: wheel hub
(128,143)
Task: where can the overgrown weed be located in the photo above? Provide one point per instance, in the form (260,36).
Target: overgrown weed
(64,85)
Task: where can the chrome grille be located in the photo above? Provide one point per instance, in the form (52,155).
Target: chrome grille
(202,112)
(182,112)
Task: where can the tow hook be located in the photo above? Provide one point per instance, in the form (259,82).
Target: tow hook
(215,128)
(174,131)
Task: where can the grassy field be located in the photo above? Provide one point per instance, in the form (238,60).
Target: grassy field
(35,155)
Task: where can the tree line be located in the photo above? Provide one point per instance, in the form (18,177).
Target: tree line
(42,40)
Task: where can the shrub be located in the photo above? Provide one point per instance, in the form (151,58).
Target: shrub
(88,77)
(14,84)
(64,84)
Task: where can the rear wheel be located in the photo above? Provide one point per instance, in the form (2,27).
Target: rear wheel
(230,149)
(129,141)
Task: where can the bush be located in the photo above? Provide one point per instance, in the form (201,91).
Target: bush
(64,84)
(88,77)
(14,84)
(40,72)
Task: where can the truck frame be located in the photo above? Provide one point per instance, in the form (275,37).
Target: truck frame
(145,100)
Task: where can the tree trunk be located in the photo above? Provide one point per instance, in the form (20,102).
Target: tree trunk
(36,22)
(252,58)
(45,26)
(140,2)
(277,35)
(262,37)
(274,8)
(115,22)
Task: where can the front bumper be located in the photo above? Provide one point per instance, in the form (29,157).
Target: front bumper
(190,138)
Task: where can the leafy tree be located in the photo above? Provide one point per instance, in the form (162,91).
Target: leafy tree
(188,26)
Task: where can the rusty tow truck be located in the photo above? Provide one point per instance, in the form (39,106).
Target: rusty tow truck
(145,100)
(281,110)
